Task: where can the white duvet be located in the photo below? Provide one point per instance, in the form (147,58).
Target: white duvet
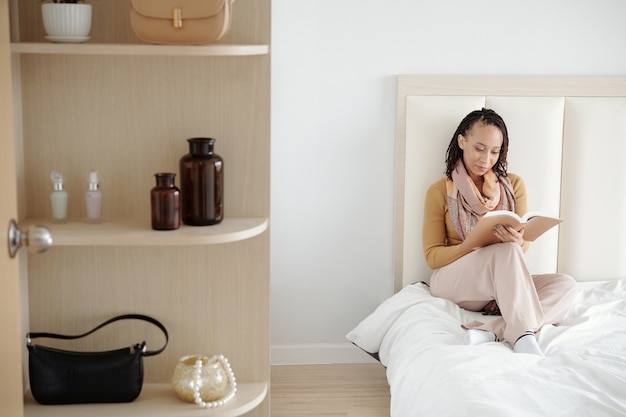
(418,338)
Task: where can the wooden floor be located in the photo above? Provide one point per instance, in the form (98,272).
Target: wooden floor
(350,390)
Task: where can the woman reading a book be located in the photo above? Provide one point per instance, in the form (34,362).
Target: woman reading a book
(493,278)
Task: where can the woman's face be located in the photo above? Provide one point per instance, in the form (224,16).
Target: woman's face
(481,149)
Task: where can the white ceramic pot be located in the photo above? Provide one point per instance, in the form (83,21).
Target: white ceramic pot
(67,22)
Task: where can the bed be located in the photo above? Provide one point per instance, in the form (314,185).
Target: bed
(568,134)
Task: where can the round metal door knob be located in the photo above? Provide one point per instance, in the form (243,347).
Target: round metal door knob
(36,238)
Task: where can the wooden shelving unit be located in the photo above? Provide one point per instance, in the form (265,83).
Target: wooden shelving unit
(126,108)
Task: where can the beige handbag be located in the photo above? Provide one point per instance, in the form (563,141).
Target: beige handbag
(180,22)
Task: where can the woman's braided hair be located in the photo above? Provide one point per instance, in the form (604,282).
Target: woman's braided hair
(486,117)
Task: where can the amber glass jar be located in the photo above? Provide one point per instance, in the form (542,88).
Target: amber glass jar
(201,184)
(165,202)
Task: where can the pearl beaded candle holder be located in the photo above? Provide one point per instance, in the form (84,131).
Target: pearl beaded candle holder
(207,381)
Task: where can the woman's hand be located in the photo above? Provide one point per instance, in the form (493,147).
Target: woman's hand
(508,234)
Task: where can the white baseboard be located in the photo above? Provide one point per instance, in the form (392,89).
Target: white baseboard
(318,353)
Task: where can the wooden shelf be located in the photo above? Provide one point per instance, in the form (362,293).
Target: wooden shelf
(156,400)
(139,232)
(137,49)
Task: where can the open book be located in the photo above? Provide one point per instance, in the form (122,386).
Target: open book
(534,224)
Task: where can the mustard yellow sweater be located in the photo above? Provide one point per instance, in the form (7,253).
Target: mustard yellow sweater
(439,237)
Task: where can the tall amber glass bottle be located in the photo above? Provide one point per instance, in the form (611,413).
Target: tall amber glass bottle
(202,184)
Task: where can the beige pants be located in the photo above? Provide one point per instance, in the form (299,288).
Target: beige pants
(499,272)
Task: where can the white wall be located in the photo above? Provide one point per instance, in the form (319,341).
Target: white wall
(333,131)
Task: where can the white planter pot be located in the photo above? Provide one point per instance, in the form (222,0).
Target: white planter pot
(66,22)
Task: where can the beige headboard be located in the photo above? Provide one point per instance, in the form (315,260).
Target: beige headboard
(568,141)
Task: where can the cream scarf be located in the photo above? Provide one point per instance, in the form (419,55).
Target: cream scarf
(467,204)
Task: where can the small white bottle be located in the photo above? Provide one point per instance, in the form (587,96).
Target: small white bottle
(93,198)
(58,198)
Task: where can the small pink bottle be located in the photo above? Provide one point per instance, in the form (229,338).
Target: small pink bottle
(93,199)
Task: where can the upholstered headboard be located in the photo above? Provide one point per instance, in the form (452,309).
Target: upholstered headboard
(568,141)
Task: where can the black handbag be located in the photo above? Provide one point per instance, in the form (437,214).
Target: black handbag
(67,377)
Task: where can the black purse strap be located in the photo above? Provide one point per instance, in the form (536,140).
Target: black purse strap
(144,350)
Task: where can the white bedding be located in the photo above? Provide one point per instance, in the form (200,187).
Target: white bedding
(418,338)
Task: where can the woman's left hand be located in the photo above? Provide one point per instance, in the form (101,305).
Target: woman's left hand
(508,234)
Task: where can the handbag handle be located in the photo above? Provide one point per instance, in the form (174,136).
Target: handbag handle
(144,351)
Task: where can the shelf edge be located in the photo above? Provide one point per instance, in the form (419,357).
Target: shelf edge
(138,49)
(139,233)
(156,400)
